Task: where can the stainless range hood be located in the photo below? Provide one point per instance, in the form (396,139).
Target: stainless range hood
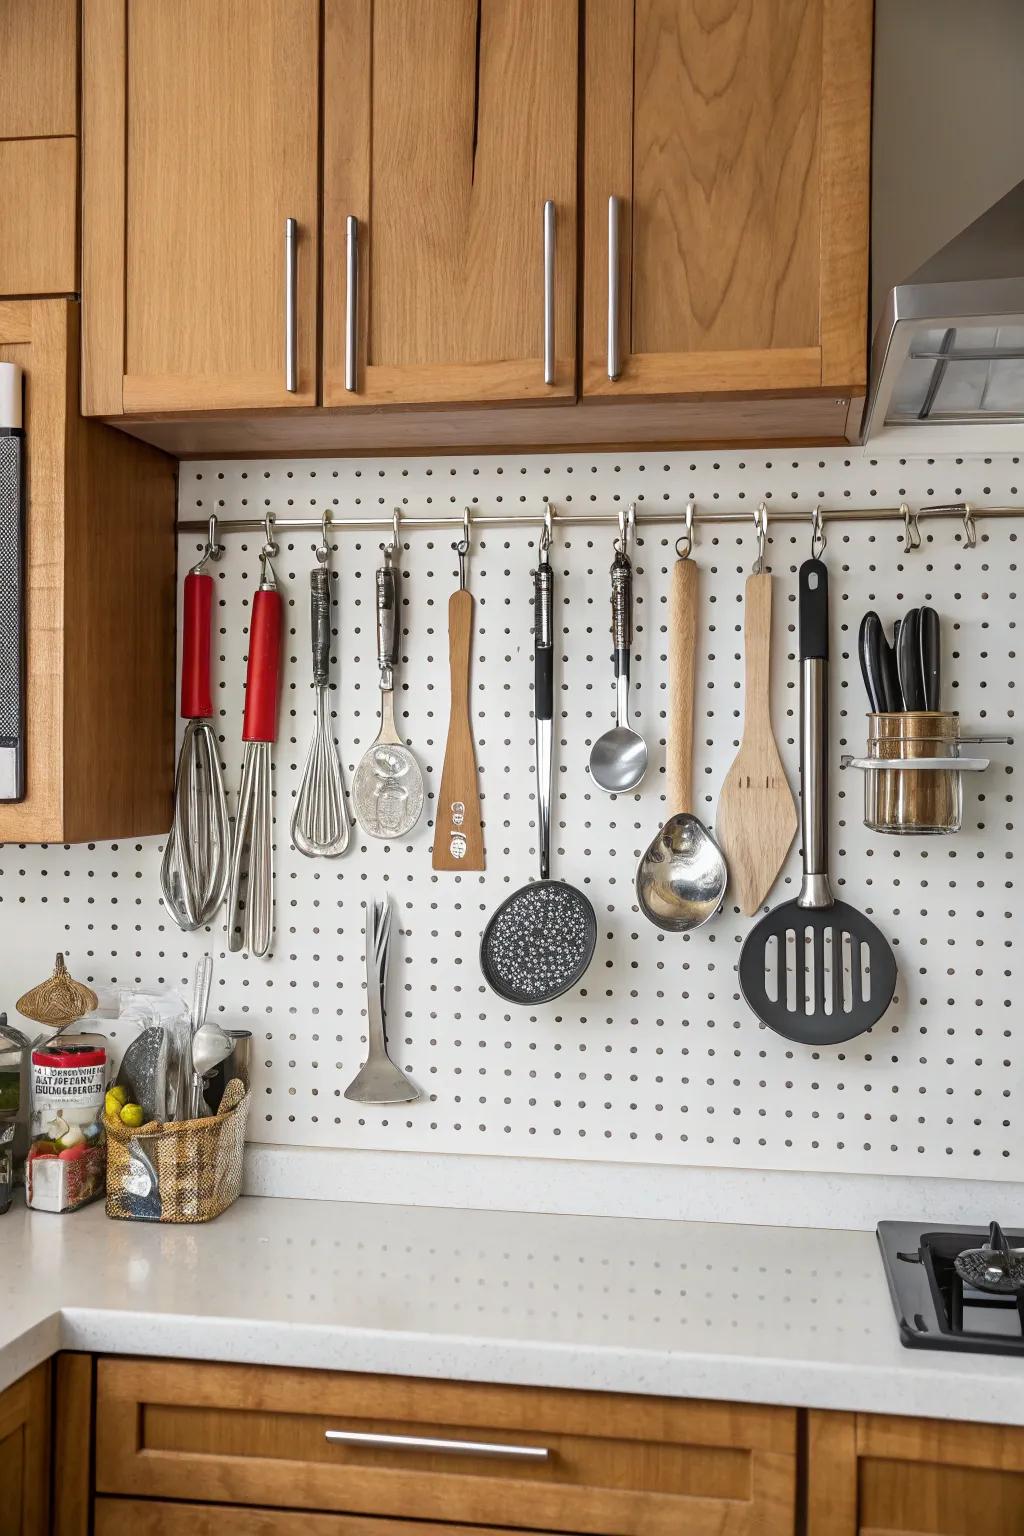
(948,138)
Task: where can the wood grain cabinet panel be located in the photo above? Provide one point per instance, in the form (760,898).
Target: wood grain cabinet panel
(139,1517)
(447,125)
(100,611)
(878,1475)
(38,248)
(38,69)
(618,1466)
(25,1455)
(200,138)
(736,138)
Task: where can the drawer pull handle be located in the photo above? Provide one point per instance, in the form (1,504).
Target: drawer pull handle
(351,302)
(549,292)
(291,343)
(614,357)
(426,1443)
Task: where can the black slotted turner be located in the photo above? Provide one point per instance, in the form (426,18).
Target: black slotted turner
(815,970)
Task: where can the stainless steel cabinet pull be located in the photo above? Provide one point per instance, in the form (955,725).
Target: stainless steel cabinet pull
(614,361)
(351,299)
(425,1443)
(291,339)
(549,292)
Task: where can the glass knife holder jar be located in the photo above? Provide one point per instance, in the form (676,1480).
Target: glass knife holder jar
(913,772)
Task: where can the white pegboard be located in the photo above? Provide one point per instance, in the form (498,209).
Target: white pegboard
(655,1058)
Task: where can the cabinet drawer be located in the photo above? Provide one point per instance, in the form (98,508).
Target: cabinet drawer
(615,1465)
(148,1517)
(37,232)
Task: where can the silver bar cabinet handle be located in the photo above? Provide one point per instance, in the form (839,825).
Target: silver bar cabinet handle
(426,1443)
(614,361)
(291,339)
(549,292)
(351,300)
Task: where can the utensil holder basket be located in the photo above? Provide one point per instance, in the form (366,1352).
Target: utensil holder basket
(922,800)
(178,1171)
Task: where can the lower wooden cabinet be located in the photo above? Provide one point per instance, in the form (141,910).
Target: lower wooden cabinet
(544,1460)
(25,1455)
(883,1475)
(150,1517)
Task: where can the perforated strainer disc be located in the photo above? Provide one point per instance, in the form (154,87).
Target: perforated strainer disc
(539,942)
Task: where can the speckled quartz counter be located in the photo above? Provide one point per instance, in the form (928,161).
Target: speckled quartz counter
(761,1314)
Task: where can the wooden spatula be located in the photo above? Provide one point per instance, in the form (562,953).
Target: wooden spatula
(757,819)
(458,835)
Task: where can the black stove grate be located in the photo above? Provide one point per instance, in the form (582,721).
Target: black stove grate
(934,1309)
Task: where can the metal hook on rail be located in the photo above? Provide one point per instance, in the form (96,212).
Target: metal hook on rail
(323,551)
(462,548)
(761,529)
(911,529)
(627,529)
(970,527)
(547,532)
(684,543)
(213,550)
(267,577)
(818,536)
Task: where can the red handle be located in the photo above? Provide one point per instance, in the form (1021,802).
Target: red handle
(196,698)
(264,667)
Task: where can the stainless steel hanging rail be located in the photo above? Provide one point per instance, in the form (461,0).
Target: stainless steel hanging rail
(958,511)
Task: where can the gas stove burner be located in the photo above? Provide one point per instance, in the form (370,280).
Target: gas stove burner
(956,1288)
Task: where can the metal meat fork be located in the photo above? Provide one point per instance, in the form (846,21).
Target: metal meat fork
(378,1080)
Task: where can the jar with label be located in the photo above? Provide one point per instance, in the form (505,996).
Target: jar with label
(67,1159)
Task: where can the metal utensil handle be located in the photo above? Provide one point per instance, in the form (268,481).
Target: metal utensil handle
(428,1443)
(815,891)
(351,302)
(614,358)
(387,621)
(543,700)
(291,340)
(622,632)
(320,623)
(549,292)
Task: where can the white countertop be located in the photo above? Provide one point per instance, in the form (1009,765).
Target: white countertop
(800,1316)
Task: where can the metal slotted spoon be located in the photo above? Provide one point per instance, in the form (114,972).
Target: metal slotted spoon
(320,825)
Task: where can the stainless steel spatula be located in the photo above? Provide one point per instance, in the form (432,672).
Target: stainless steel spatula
(816,970)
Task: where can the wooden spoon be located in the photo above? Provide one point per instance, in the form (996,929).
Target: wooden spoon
(757,818)
(458,834)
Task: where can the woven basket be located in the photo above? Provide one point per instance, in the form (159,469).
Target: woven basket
(178,1171)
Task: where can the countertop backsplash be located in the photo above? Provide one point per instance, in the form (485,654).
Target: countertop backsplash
(655,1059)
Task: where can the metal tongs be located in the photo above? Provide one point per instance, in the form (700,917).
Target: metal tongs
(378,1080)
(253,844)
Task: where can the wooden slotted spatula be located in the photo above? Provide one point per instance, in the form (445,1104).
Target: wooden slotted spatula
(458,833)
(757,818)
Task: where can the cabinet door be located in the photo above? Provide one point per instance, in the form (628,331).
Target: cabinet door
(24,1454)
(735,138)
(200,142)
(448,124)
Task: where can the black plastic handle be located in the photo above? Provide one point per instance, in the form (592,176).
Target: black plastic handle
(931,658)
(869,649)
(908,660)
(543,641)
(813,617)
(320,623)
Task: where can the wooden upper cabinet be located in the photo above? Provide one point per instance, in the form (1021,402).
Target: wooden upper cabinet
(735,137)
(200,134)
(448,124)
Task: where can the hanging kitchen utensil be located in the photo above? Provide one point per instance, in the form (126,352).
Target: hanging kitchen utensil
(869,651)
(387,790)
(815,970)
(252,852)
(681,879)
(756,820)
(618,759)
(541,939)
(12,587)
(458,832)
(930,642)
(320,825)
(994,1267)
(195,865)
(378,1080)
(908,660)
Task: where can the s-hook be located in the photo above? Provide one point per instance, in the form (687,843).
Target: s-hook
(761,530)
(213,549)
(684,543)
(911,529)
(462,548)
(818,536)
